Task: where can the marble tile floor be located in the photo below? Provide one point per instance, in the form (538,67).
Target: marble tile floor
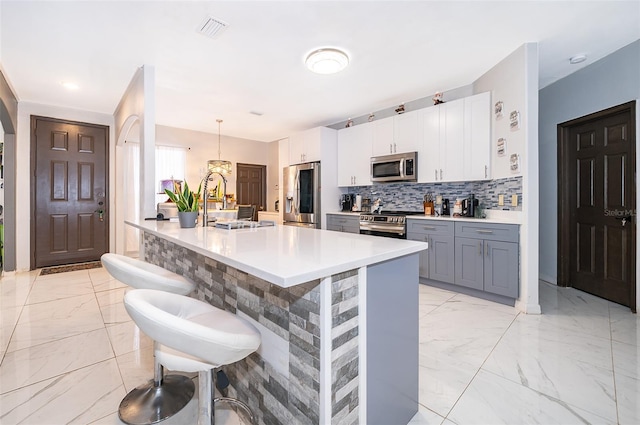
(69,353)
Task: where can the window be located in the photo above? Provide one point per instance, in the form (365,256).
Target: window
(170,163)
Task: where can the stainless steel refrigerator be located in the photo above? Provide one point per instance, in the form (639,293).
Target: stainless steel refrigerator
(301,189)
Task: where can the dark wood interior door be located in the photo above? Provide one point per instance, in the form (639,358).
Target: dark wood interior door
(69,192)
(251,186)
(602,225)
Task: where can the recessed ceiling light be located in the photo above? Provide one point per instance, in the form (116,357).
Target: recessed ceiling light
(577,59)
(327,61)
(69,85)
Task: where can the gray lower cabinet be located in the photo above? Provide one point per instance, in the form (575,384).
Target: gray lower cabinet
(343,223)
(470,261)
(437,262)
(487,257)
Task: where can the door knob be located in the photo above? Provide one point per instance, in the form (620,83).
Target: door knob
(625,219)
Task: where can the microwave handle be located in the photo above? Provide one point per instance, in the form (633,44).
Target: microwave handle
(402,168)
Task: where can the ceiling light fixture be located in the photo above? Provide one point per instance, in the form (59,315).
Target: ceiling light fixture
(577,59)
(219,165)
(327,60)
(69,85)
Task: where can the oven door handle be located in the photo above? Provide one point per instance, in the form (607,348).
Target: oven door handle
(397,230)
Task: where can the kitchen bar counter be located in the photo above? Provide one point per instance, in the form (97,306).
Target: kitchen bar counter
(338,315)
(283,255)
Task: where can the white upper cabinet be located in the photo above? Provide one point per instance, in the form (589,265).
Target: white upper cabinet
(477,137)
(405,131)
(455,140)
(382,136)
(396,134)
(441,136)
(451,140)
(306,146)
(354,155)
(429,153)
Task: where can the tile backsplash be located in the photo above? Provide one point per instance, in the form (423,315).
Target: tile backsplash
(409,196)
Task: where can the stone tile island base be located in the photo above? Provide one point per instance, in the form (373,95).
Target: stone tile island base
(309,368)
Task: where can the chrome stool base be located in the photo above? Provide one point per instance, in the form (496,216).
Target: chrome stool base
(238,403)
(151,403)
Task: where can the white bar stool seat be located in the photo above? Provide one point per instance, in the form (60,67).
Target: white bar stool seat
(193,336)
(142,275)
(163,396)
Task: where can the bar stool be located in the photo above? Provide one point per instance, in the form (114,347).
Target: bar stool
(193,336)
(163,396)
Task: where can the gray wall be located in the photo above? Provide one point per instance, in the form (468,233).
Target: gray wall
(608,82)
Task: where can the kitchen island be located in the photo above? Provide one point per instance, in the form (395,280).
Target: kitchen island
(338,314)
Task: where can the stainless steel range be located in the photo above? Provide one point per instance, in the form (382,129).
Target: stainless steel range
(390,224)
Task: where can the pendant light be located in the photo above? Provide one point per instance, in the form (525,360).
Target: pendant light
(218,165)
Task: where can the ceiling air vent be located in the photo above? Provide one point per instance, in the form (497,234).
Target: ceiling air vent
(211,27)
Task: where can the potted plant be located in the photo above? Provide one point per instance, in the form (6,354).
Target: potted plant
(187,203)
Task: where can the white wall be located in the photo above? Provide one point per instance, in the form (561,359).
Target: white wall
(506,83)
(204,146)
(514,81)
(273,175)
(136,112)
(611,81)
(23,165)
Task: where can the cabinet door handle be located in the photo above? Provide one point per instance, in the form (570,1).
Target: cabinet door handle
(429,228)
(485,232)
(395,148)
(441,174)
(436,174)
(390,148)
(485,172)
(354,179)
(486,251)
(480,248)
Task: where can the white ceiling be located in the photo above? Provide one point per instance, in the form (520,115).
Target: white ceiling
(400,51)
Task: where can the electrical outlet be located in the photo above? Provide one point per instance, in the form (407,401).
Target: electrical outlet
(500,200)
(439,199)
(514,200)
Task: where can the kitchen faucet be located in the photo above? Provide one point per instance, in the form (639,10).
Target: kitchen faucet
(205,215)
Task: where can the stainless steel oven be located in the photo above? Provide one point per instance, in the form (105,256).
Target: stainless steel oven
(390,226)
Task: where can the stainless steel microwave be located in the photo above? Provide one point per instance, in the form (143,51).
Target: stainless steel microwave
(394,168)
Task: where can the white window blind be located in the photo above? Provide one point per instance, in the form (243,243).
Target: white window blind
(170,163)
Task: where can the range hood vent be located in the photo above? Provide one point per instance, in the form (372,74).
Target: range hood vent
(211,27)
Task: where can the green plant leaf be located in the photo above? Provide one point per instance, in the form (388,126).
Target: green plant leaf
(185,200)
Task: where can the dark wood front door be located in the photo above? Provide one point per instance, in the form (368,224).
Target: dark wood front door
(251,186)
(597,162)
(69,192)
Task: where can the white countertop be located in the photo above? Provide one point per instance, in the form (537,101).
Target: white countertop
(494,217)
(284,255)
(467,219)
